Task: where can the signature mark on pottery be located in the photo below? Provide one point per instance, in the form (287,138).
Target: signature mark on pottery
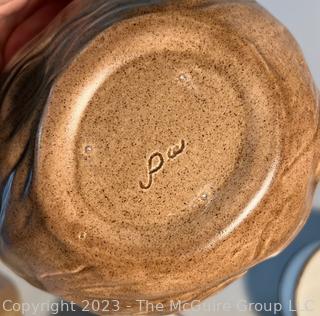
(152,169)
(157,161)
(176,150)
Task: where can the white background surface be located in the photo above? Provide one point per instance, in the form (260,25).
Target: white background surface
(302,17)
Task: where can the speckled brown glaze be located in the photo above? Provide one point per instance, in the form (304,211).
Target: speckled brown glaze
(175,151)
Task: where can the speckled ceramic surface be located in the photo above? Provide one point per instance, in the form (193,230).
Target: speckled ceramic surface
(154,150)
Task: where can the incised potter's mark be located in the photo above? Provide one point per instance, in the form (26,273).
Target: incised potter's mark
(156,162)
